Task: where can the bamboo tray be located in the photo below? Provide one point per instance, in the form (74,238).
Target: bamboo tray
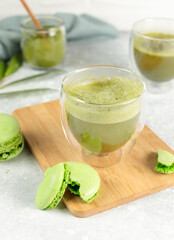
(126,181)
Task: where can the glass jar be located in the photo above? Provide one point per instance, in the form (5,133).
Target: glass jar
(43,48)
(101,129)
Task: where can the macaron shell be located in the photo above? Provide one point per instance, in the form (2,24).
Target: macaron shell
(61,192)
(11,139)
(87,178)
(48,189)
(165,158)
(9,127)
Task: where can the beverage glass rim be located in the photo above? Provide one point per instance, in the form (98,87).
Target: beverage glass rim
(151,19)
(40,17)
(100,104)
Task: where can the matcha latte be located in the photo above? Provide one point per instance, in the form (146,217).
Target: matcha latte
(103,111)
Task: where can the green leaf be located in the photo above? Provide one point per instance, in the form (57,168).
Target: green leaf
(31,77)
(14,64)
(3,67)
(28,90)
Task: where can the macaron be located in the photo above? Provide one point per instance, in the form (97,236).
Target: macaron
(165,162)
(51,190)
(80,178)
(84,181)
(11,139)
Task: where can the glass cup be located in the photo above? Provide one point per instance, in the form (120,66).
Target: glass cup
(43,48)
(103,132)
(152,52)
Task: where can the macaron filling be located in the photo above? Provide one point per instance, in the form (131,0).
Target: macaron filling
(161,168)
(74,187)
(12,148)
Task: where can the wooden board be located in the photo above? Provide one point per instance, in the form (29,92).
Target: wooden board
(126,181)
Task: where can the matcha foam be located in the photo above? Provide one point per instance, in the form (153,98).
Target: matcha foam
(108,91)
(111,92)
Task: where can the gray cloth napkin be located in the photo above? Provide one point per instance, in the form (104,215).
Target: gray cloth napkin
(82,27)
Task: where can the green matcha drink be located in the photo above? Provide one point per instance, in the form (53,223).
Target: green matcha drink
(43,48)
(106,113)
(154,56)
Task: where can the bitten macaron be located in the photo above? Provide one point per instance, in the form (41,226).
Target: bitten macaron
(84,181)
(165,162)
(81,179)
(11,139)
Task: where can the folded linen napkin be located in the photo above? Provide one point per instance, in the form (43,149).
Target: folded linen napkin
(80,27)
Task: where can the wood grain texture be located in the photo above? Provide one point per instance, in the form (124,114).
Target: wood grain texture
(126,181)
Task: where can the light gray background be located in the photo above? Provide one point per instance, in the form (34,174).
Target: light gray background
(147,218)
(121,13)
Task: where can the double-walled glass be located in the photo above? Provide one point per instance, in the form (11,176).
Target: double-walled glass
(101,130)
(152,52)
(43,48)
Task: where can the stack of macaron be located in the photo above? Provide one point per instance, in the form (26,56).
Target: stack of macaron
(11,140)
(79,178)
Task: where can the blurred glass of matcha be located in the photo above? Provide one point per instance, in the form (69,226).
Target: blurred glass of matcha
(43,48)
(152,52)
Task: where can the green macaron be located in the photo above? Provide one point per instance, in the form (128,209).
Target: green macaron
(11,139)
(165,162)
(80,178)
(51,190)
(84,181)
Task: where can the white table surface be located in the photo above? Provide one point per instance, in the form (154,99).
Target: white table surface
(150,217)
